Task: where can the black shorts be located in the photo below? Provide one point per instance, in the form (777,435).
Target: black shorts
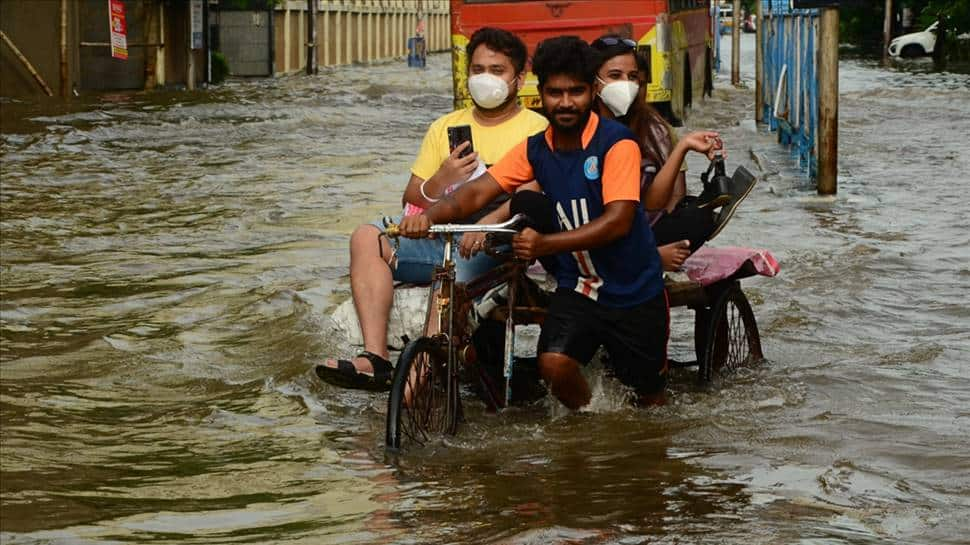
(635,338)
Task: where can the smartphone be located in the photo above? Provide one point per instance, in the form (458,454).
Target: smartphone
(459,134)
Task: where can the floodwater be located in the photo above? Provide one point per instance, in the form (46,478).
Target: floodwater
(170,262)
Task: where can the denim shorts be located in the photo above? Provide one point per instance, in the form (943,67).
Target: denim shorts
(416,259)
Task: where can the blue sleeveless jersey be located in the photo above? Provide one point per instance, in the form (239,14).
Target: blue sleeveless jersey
(624,273)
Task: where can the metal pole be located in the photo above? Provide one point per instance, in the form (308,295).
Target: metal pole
(311,46)
(759,66)
(887,33)
(828,101)
(736,45)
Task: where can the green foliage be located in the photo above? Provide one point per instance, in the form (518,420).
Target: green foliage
(220,67)
(861,23)
(957,13)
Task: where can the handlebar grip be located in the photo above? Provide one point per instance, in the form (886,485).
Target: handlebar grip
(392,230)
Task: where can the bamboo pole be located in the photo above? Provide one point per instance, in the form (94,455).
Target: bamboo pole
(311,46)
(65,84)
(30,68)
(286,41)
(151,57)
(160,72)
(326,37)
(887,31)
(189,56)
(828,101)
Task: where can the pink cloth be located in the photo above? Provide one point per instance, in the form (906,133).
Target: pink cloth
(709,265)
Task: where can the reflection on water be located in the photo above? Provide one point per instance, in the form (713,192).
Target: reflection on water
(169,262)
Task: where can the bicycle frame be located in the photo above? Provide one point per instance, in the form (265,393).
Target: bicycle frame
(444,304)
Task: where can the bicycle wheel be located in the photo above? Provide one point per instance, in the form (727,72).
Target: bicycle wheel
(732,339)
(424,399)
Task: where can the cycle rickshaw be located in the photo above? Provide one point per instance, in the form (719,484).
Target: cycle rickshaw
(425,394)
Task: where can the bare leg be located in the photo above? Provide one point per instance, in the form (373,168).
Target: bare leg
(372,287)
(672,255)
(564,378)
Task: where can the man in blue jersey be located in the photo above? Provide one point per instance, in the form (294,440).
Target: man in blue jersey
(610,292)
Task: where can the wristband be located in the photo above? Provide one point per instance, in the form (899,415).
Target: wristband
(425,195)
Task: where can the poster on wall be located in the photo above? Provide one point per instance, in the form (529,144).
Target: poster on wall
(197,23)
(118,28)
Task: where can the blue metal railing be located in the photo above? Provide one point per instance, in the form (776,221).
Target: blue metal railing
(790,89)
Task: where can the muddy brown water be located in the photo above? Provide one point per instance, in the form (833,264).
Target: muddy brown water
(169,263)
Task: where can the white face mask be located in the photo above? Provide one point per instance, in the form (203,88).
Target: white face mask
(619,95)
(488,91)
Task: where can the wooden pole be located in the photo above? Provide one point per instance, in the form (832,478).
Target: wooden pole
(311,44)
(326,37)
(30,68)
(736,45)
(828,101)
(887,31)
(759,66)
(160,70)
(286,40)
(190,58)
(65,84)
(151,38)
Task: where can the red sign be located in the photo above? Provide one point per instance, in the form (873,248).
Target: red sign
(119,29)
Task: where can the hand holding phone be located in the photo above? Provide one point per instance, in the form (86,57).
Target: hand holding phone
(459,134)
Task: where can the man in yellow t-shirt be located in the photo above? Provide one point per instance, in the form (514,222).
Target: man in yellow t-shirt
(496,71)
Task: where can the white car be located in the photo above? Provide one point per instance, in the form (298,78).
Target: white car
(915,44)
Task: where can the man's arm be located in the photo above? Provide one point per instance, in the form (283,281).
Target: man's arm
(467,199)
(514,171)
(614,223)
(452,170)
(471,243)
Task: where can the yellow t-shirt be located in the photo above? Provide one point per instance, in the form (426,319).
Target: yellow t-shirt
(491,143)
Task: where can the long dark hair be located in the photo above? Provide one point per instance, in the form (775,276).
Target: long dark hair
(642,118)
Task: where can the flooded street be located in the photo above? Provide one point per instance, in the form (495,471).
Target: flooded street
(170,263)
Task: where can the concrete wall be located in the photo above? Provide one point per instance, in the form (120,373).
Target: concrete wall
(244,40)
(100,71)
(350,31)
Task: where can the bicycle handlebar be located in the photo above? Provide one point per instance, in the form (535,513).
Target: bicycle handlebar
(513,225)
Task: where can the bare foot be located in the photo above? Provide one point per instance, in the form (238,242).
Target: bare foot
(672,255)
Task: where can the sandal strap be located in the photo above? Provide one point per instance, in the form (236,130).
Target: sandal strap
(380,364)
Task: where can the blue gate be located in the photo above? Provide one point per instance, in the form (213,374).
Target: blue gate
(790,90)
